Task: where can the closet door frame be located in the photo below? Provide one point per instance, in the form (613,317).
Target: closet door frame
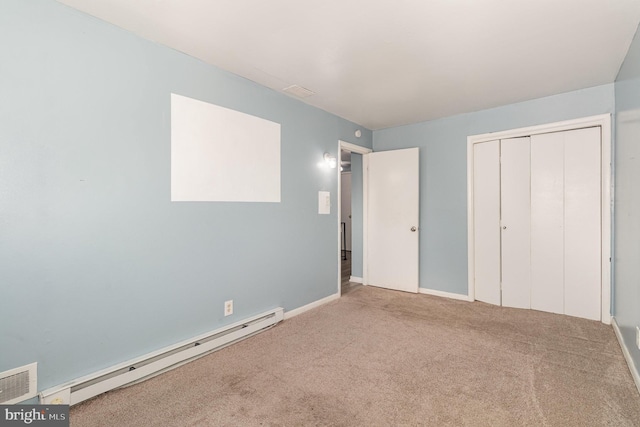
(604,122)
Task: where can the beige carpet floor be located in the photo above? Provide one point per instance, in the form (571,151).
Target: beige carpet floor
(383,358)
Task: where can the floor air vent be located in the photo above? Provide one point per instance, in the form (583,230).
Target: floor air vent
(18,384)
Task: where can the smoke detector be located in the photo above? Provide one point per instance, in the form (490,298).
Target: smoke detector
(299,91)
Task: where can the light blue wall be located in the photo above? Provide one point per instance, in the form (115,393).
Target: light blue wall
(96,265)
(356,215)
(627,200)
(443,173)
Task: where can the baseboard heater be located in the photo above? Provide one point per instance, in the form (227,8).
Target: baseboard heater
(145,367)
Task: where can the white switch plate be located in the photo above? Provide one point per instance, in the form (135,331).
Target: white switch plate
(228,307)
(324,202)
(638,337)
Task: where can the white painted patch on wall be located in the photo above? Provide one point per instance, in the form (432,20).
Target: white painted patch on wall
(222,155)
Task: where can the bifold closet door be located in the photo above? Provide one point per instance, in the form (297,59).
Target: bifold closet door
(515,198)
(502,222)
(582,231)
(537,222)
(486,217)
(547,222)
(565,222)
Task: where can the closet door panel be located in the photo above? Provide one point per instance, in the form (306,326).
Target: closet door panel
(547,222)
(516,222)
(582,234)
(486,216)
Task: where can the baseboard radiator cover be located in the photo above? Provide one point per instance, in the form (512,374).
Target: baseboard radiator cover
(155,363)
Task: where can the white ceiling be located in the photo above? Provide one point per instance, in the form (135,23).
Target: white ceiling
(383,63)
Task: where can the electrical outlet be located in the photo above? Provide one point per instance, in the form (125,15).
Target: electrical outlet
(228,307)
(638,337)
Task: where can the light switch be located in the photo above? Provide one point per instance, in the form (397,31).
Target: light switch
(324,202)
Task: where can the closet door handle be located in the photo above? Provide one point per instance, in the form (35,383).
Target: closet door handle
(504,227)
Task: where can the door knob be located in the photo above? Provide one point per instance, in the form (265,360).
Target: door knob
(413,228)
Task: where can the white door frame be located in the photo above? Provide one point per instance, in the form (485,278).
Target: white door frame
(604,121)
(353,148)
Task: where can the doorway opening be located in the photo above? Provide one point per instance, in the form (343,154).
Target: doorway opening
(346,217)
(351,230)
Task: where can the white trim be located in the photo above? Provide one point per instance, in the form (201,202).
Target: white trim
(365,220)
(355,279)
(471,254)
(607,209)
(315,304)
(604,121)
(443,294)
(338,213)
(627,355)
(584,122)
(358,149)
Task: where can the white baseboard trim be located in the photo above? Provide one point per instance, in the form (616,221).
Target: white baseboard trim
(292,313)
(443,294)
(627,355)
(355,279)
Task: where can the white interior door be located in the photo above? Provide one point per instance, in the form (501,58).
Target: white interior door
(486,217)
(392,219)
(515,202)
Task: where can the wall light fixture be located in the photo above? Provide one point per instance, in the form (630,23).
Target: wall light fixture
(330,160)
